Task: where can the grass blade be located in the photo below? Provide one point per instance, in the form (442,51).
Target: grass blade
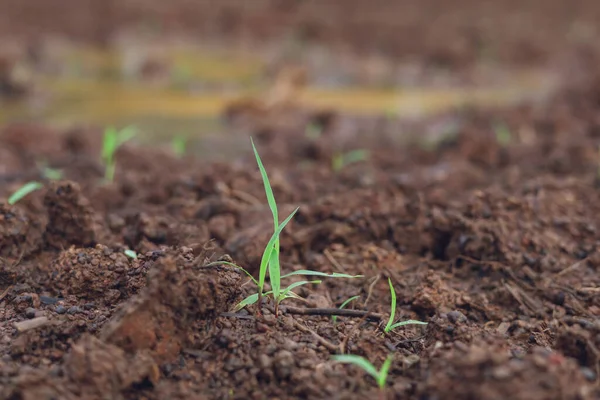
(234,266)
(253,298)
(24,191)
(125,135)
(407,322)
(383,372)
(388,326)
(275,272)
(360,362)
(344,304)
(109,143)
(295,285)
(317,273)
(267,185)
(269,249)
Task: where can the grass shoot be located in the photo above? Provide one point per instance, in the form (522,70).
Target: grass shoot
(344,304)
(23,191)
(379,376)
(111,141)
(130,253)
(341,160)
(179,145)
(390,326)
(52,174)
(502,133)
(270,259)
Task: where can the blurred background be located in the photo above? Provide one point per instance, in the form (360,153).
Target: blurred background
(185,67)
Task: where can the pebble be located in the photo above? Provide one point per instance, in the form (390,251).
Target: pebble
(30,312)
(456,317)
(60,309)
(48,300)
(588,374)
(74,310)
(89,306)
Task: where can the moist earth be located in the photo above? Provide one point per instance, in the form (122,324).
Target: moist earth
(493,243)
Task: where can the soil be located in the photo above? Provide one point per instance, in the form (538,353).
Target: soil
(494,244)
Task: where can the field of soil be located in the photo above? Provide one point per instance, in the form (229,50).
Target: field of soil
(487,221)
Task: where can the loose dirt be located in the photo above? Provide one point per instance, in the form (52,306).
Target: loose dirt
(492,241)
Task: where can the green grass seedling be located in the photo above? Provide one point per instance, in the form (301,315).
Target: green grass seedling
(111,141)
(52,174)
(131,254)
(503,134)
(269,263)
(179,144)
(344,304)
(390,326)
(379,376)
(341,160)
(23,191)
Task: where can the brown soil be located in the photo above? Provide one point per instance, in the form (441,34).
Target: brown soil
(495,245)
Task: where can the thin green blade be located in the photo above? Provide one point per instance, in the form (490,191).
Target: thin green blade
(344,304)
(267,185)
(393,307)
(275,272)
(234,266)
(24,191)
(317,273)
(126,134)
(253,298)
(407,322)
(383,373)
(109,143)
(269,249)
(358,361)
(295,285)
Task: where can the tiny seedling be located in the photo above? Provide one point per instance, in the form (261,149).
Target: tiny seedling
(24,191)
(379,376)
(344,304)
(52,174)
(313,131)
(179,144)
(390,324)
(111,141)
(341,160)
(49,173)
(270,259)
(503,135)
(131,254)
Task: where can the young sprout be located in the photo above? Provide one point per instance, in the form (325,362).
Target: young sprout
(178,144)
(313,131)
(111,141)
(344,304)
(52,174)
(270,259)
(341,160)
(24,191)
(390,324)
(130,253)
(379,376)
(503,135)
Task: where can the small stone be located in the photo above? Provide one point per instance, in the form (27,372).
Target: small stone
(264,361)
(30,312)
(74,310)
(588,374)
(502,372)
(48,300)
(89,306)
(60,309)
(456,317)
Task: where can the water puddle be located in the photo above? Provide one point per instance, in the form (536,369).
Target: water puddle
(183,93)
